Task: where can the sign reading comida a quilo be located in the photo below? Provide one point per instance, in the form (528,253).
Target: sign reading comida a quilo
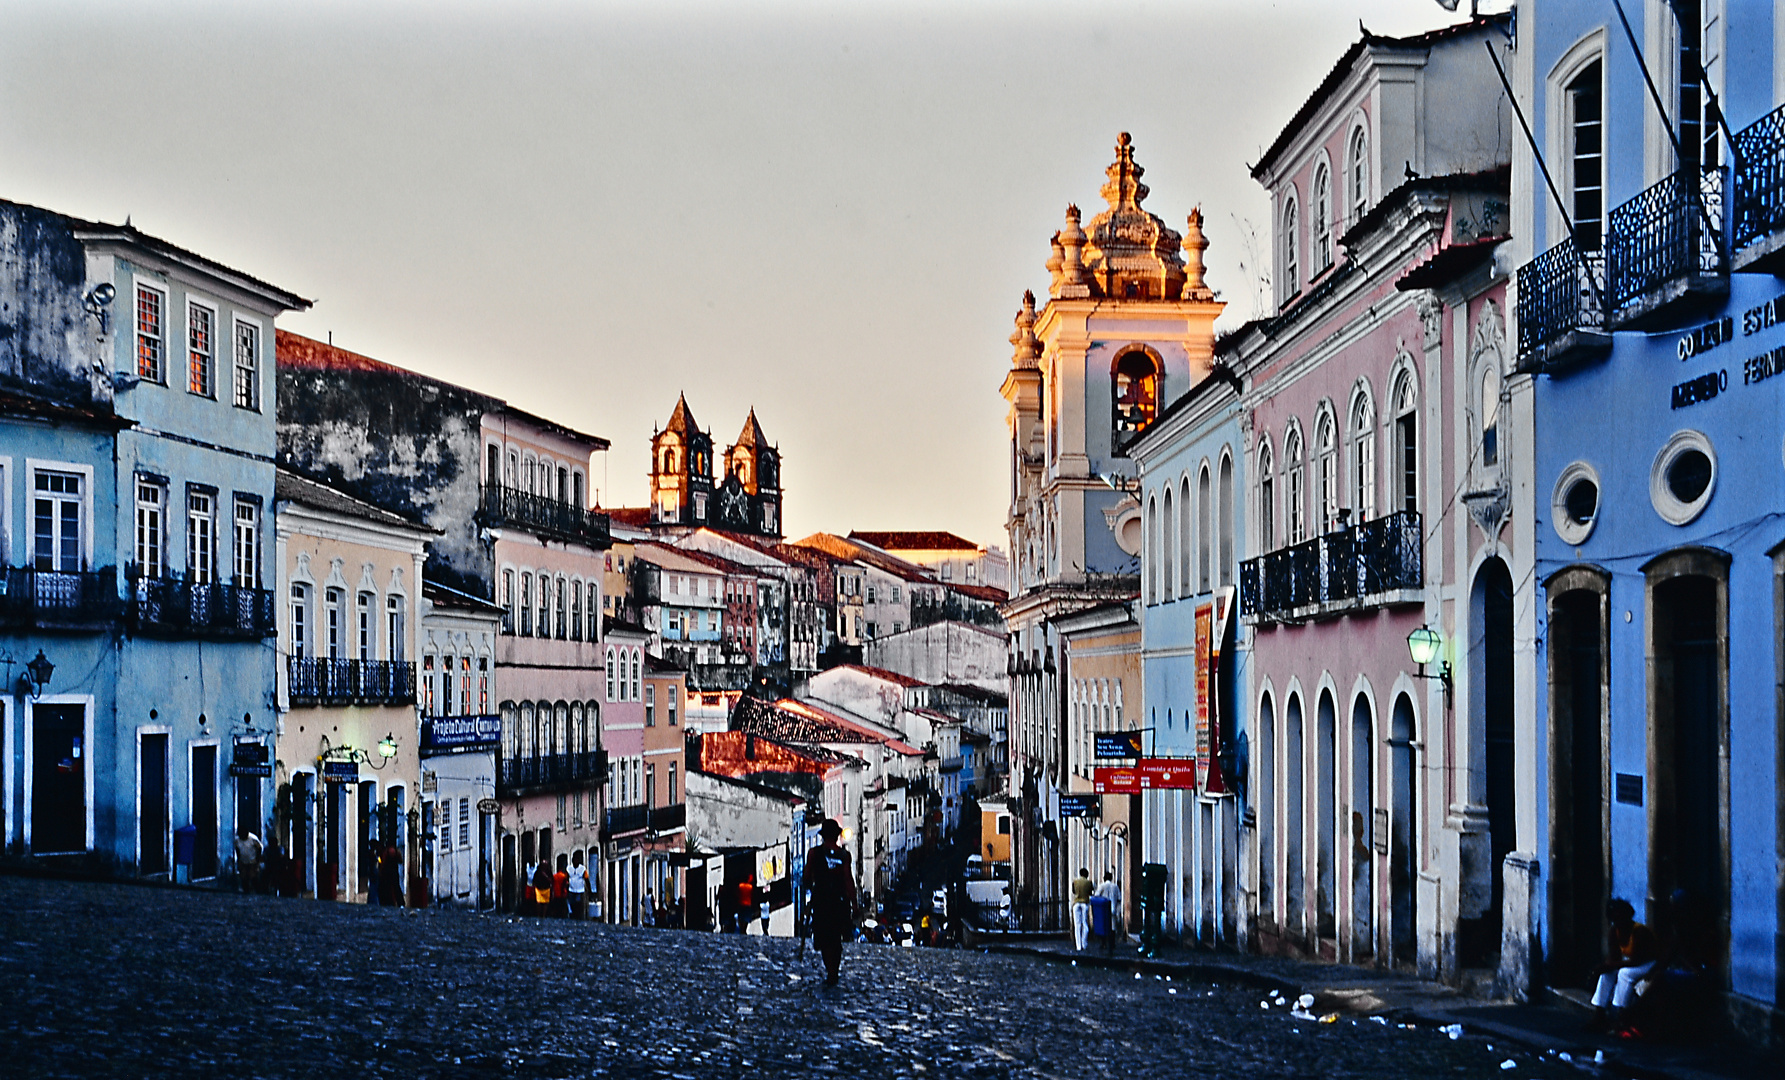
(250,759)
(1116,780)
(459,734)
(1167,773)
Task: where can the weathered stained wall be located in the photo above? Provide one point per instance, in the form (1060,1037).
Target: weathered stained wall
(393,438)
(46,341)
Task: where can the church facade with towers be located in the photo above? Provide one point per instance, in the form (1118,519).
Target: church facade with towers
(687,494)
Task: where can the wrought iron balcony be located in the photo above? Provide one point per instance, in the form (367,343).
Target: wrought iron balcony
(1757,225)
(165,607)
(626,819)
(1354,568)
(50,598)
(350,682)
(1561,320)
(669,818)
(521,775)
(1666,246)
(543,516)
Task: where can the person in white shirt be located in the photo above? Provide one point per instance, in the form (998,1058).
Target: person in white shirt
(1112,892)
(578,887)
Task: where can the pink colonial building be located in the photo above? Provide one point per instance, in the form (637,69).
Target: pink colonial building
(1381,460)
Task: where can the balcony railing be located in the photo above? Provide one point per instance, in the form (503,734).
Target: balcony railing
(669,818)
(1662,236)
(1759,180)
(1347,568)
(548,770)
(1559,294)
(170,608)
(625,819)
(346,682)
(546,516)
(45,597)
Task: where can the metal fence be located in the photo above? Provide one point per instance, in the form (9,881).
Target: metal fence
(539,514)
(201,609)
(1559,292)
(328,681)
(1350,564)
(548,769)
(1661,235)
(625,819)
(28,595)
(1759,203)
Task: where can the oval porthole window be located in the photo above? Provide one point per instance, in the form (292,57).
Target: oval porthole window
(1684,477)
(1574,504)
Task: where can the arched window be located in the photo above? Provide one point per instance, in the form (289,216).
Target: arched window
(1490,416)
(529,732)
(1134,389)
(511,732)
(1204,527)
(1168,552)
(1326,465)
(1267,503)
(610,674)
(1186,527)
(1363,456)
(1295,503)
(1319,221)
(1153,552)
(1359,153)
(1586,177)
(1224,505)
(1406,445)
(576,610)
(1292,283)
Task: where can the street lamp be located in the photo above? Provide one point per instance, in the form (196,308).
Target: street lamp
(1423,645)
(37,675)
(387,746)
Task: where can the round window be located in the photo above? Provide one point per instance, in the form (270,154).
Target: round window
(1684,477)
(1574,504)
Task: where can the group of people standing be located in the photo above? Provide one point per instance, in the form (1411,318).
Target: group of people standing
(1092,919)
(564,893)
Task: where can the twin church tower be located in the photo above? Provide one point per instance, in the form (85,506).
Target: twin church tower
(683,491)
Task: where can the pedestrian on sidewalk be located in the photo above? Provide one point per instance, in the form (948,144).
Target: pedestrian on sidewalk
(561,889)
(248,851)
(648,917)
(1633,955)
(579,888)
(829,882)
(542,889)
(390,878)
(1081,908)
(1112,892)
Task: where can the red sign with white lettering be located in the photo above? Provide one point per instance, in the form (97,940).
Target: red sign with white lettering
(1167,773)
(1116,780)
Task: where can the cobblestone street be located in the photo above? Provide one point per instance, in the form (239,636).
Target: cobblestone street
(121,981)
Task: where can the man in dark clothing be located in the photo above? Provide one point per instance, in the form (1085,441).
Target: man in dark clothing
(829,882)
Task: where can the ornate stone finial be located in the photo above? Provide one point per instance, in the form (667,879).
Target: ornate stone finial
(1123,190)
(1027,347)
(1195,243)
(1075,281)
(1054,261)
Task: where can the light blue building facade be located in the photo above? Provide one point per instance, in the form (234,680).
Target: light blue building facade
(138,478)
(1654,337)
(1191,465)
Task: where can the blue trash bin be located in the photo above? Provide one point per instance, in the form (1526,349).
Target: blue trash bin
(185,844)
(1100,924)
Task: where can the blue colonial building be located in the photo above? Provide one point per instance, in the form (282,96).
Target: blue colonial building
(1191,463)
(1650,228)
(137,467)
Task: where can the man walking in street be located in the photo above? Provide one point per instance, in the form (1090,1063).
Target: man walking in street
(1081,908)
(247,859)
(578,886)
(829,882)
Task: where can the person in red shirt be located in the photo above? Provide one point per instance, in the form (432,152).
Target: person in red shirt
(561,888)
(746,903)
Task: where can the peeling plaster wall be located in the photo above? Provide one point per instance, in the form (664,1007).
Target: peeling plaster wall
(398,441)
(46,343)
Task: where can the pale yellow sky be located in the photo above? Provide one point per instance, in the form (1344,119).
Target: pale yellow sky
(826,210)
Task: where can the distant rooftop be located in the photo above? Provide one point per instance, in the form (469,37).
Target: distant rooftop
(915,541)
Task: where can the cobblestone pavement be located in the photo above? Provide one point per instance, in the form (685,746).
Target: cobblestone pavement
(111,980)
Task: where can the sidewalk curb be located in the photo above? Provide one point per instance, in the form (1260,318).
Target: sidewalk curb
(1214,972)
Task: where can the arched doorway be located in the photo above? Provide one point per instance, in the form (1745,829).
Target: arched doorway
(1688,746)
(1327,811)
(1363,802)
(1403,841)
(1578,820)
(1265,797)
(1478,939)
(1295,863)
